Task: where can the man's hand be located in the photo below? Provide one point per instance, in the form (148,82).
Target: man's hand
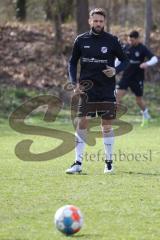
(78,89)
(110,71)
(143,65)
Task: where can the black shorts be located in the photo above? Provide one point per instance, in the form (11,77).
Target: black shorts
(97,105)
(135,84)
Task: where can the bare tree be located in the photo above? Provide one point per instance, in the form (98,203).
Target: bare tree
(53,13)
(48,8)
(21,10)
(126,2)
(66,9)
(148,21)
(82,12)
(57,24)
(115,9)
(108,14)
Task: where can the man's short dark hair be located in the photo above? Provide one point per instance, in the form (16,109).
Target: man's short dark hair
(99,11)
(134,34)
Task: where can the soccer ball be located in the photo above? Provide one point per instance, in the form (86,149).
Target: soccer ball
(68,219)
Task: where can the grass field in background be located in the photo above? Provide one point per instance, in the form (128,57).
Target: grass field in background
(121,206)
(13,96)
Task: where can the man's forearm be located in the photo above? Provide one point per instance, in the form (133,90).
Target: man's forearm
(152,61)
(72,70)
(122,66)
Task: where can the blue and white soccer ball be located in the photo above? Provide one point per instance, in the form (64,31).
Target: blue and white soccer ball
(68,219)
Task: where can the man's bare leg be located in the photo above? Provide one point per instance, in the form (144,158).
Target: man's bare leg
(120,94)
(141,103)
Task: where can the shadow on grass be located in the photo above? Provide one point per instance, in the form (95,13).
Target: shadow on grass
(76,174)
(141,173)
(88,236)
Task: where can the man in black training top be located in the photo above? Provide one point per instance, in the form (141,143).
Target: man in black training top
(133,76)
(97,51)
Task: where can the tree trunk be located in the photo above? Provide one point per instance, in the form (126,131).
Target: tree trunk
(148,22)
(125,12)
(148,27)
(49,10)
(58,29)
(67,10)
(21,10)
(108,14)
(53,13)
(82,15)
(115,9)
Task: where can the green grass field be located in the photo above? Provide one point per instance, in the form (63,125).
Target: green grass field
(122,206)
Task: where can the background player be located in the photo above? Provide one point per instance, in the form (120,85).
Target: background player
(133,76)
(96,49)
